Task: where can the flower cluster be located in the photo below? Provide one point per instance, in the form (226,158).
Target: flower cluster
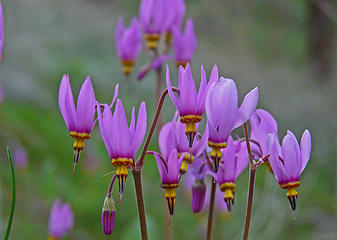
(186,152)
(156,18)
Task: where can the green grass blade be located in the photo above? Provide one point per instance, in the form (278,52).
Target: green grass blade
(10,219)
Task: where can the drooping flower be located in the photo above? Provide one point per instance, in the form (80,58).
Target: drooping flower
(176,12)
(128,43)
(122,141)
(173,134)
(262,123)
(153,17)
(199,169)
(1,31)
(184,44)
(20,157)
(288,161)
(108,215)
(169,174)
(189,102)
(223,114)
(61,220)
(231,166)
(79,121)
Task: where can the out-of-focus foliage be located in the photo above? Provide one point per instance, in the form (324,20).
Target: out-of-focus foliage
(257,43)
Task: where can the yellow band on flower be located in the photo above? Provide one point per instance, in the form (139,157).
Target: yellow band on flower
(190,119)
(181,63)
(122,161)
(80,135)
(127,66)
(172,185)
(152,40)
(291,192)
(227,185)
(290,185)
(122,170)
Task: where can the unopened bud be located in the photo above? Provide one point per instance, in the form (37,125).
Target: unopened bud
(198,195)
(108,215)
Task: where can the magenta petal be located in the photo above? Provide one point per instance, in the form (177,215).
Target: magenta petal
(169,87)
(161,167)
(85,112)
(61,219)
(121,132)
(291,156)
(229,161)
(132,123)
(119,35)
(66,103)
(275,163)
(305,149)
(106,124)
(200,145)
(241,159)
(247,107)
(140,129)
(115,95)
(188,93)
(167,139)
(201,99)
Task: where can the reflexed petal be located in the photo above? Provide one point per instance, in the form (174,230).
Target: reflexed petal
(118,36)
(140,129)
(169,87)
(173,167)
(247,107)
(161,167)
(115,95)
(66,103)
(167,139)
(85,112)
(188,93)
(200,145)
(202,92)
(229,162)
(275,163)
(242,159)
(121,131)
(180,136)
(291,155)
(305,149)
(106,127)
(145,11)
(132,123)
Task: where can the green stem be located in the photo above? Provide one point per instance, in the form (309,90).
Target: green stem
(10,220)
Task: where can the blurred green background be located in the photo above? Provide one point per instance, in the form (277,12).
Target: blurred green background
(286,48)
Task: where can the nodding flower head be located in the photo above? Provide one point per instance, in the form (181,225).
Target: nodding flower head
(61,220)
(172,135)
(79,121)
(189,102)
(121,140)
(184,44)
(108,215)
(175,14)
(128,44)
(153,17)
(198,170)
(262,123)
(231,166)
(169,174)
(288,161)
(1,31)
(223,114)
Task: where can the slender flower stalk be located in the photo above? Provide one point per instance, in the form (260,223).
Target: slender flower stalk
(288,161)
(211,211)
(252,172)
(11,214)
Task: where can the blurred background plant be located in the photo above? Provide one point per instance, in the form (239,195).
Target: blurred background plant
(286,48)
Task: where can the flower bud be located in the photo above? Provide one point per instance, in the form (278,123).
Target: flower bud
(198,195)
(108,215)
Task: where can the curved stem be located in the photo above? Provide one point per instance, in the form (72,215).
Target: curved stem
(137,178)
(252,172)
(211,211)
(111,185)
(10,219)
(140,160)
